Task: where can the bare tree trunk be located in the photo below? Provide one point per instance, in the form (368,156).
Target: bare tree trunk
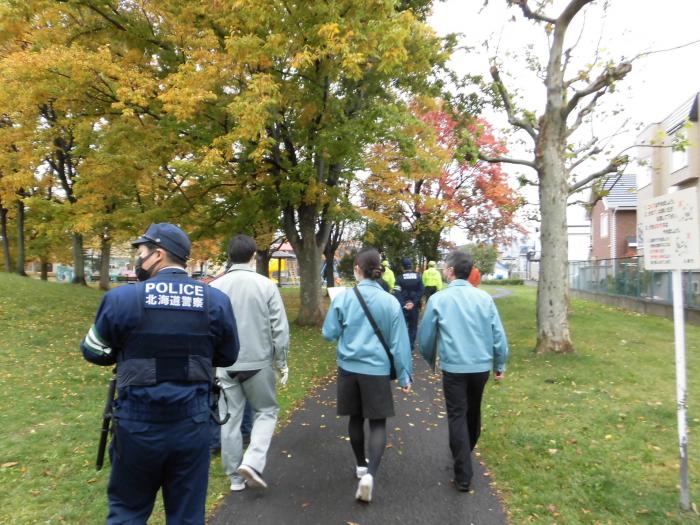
(105,254)
(44,268)
(20,239)
(5,241)
(553,290)
(262,262)
(337,231)
(310,310)
(78,260)
(330,266)
(308,247)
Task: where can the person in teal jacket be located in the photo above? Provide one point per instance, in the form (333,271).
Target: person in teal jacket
(462,325)
(364,384)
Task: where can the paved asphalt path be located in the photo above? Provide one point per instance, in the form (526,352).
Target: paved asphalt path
(311,470)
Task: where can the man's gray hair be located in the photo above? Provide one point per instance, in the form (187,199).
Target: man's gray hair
(461,263)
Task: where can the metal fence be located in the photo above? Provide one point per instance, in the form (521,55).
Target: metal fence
(627,277)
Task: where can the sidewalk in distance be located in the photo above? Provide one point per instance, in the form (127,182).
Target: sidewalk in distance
(311,470)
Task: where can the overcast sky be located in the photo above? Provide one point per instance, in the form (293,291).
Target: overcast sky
(657,84)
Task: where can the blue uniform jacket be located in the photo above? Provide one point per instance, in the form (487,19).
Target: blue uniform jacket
(359,349)
(462,323)
(180,310)
(409,288)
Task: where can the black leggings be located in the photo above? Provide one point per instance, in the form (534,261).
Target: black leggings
(377,441)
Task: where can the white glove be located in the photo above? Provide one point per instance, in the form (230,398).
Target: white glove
(283,374)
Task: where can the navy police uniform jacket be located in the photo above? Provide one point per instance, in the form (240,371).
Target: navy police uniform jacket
(409,288)
(165,335)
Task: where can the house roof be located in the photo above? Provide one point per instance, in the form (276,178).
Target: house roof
(622,191)
(680,115)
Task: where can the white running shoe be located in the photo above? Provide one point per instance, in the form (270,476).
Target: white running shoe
(360,471)
(364,488)
(237,485)
(252,477)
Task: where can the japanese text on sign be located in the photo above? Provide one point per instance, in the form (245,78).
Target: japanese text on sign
(670,228)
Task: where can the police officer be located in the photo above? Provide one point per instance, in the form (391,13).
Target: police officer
(432,280)
(165,334)
(409,291)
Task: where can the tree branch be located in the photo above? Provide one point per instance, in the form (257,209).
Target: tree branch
(615,165)
(571,11)
(495,160)
(505,97)
(587,110)
(532,15)
(605,79)
(584,158)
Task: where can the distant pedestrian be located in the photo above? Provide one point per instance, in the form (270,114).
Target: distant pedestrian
(462,324)
(388,275)
(432,280)
(264,335)
(382,282)
(409,291)
(364,366)
(475,277)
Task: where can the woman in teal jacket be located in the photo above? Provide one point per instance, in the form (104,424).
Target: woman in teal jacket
(364,384)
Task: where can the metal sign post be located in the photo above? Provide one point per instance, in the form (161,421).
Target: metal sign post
(681,385)
(670,227)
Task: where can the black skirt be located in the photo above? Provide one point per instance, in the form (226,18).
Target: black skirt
(364,395)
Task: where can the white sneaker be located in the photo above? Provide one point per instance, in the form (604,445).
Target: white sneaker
(360,471)
(237,485)
(252,477)
(364,488)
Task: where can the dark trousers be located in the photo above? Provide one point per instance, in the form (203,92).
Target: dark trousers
(463,393)
(411,317)
(147,456)
(429,290)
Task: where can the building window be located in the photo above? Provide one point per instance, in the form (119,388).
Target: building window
(679,157)
(646,174)
(603,225)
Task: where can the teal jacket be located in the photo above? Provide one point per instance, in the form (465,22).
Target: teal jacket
(463,325)
(359,349)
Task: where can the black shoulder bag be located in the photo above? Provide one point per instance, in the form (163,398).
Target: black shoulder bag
(392,373)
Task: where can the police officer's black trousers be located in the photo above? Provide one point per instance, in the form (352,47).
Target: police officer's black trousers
(411,317)
(463,393)
(147,456)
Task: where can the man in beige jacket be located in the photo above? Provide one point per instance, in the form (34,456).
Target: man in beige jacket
(264,335)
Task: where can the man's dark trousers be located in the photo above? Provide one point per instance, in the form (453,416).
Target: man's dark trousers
(463,394)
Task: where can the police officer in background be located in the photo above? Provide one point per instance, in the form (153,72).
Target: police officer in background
(409,292)
(165,334)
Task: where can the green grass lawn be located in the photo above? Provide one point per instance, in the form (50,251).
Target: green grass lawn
(591,437)
(585,438)
(51,402)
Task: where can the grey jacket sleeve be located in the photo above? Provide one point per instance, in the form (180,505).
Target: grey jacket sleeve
(279,329)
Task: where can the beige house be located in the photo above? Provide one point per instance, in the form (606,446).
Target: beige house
(665,169)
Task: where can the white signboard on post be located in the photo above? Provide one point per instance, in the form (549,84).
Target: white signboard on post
(670,228)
